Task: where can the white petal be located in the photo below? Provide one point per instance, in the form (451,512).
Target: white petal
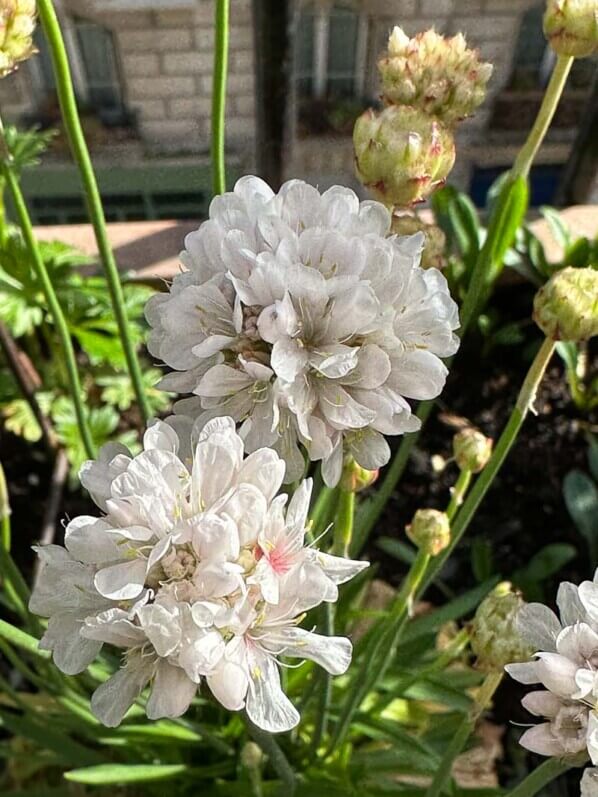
(542,704)
(299,505)
(111,701)
(571,609)
(161,627)
(267,705)
(264,469)
(72,653)
(539,626)
(123,581)
(525,672)
(161,435)
(229,682)
(86,539)
(338,568)
(171,693)
(541,740)
(557,673)
(114,627)
(333,653)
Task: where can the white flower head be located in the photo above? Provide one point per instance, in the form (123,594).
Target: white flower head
(197,570)
(298,317)
(566,666)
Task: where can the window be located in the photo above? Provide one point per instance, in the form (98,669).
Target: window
(94,65)
(98,57)
(330,53)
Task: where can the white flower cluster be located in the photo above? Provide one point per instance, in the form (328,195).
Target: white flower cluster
(298,317)
(566,664)
(197,570)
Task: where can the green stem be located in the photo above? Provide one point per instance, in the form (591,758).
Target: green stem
(277,758)
(322,511)
(324,687)
(80,152)
(12,584)
(465,515)
(53,304)
(464,731)
(343,523)
(219,97)
(542,776)
(459,490)
(545,115)
(380,650)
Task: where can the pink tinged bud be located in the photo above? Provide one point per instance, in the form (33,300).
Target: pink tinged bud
(571,27)
(439,75)
(566,307)
(401,154)
(17,24)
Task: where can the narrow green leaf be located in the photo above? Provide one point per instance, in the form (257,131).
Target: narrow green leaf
(22,640)
(558,228)
(105,774)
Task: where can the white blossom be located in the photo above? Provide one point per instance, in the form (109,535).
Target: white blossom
(197,570)
(589,783)
(566,666)
(298,317)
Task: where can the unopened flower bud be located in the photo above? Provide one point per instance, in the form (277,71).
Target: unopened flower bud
(17,23)
(440,75)
(430,530)
(354,478)
(566,307)
(402,154)
(495,639)
(571,27)
(251,756)
(471,449)
(435,245)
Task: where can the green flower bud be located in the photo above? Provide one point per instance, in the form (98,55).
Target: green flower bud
(402,154)
(494,636)
(435,244)
(566,307)
(571,27)
(354,478)
(439,75)
(17,23)
(471,449)
(251,756)
(430,530)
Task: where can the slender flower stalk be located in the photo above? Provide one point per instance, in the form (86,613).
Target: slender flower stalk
(381,649)
(550,770)
(322,510)
(219,96)
(276,756)
(343,524)
(13,582)
(545,116)
(50,294)
(457,743)
(80,152)
(525,400)
(458,494)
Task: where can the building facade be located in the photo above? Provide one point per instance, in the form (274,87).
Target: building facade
(143,73)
